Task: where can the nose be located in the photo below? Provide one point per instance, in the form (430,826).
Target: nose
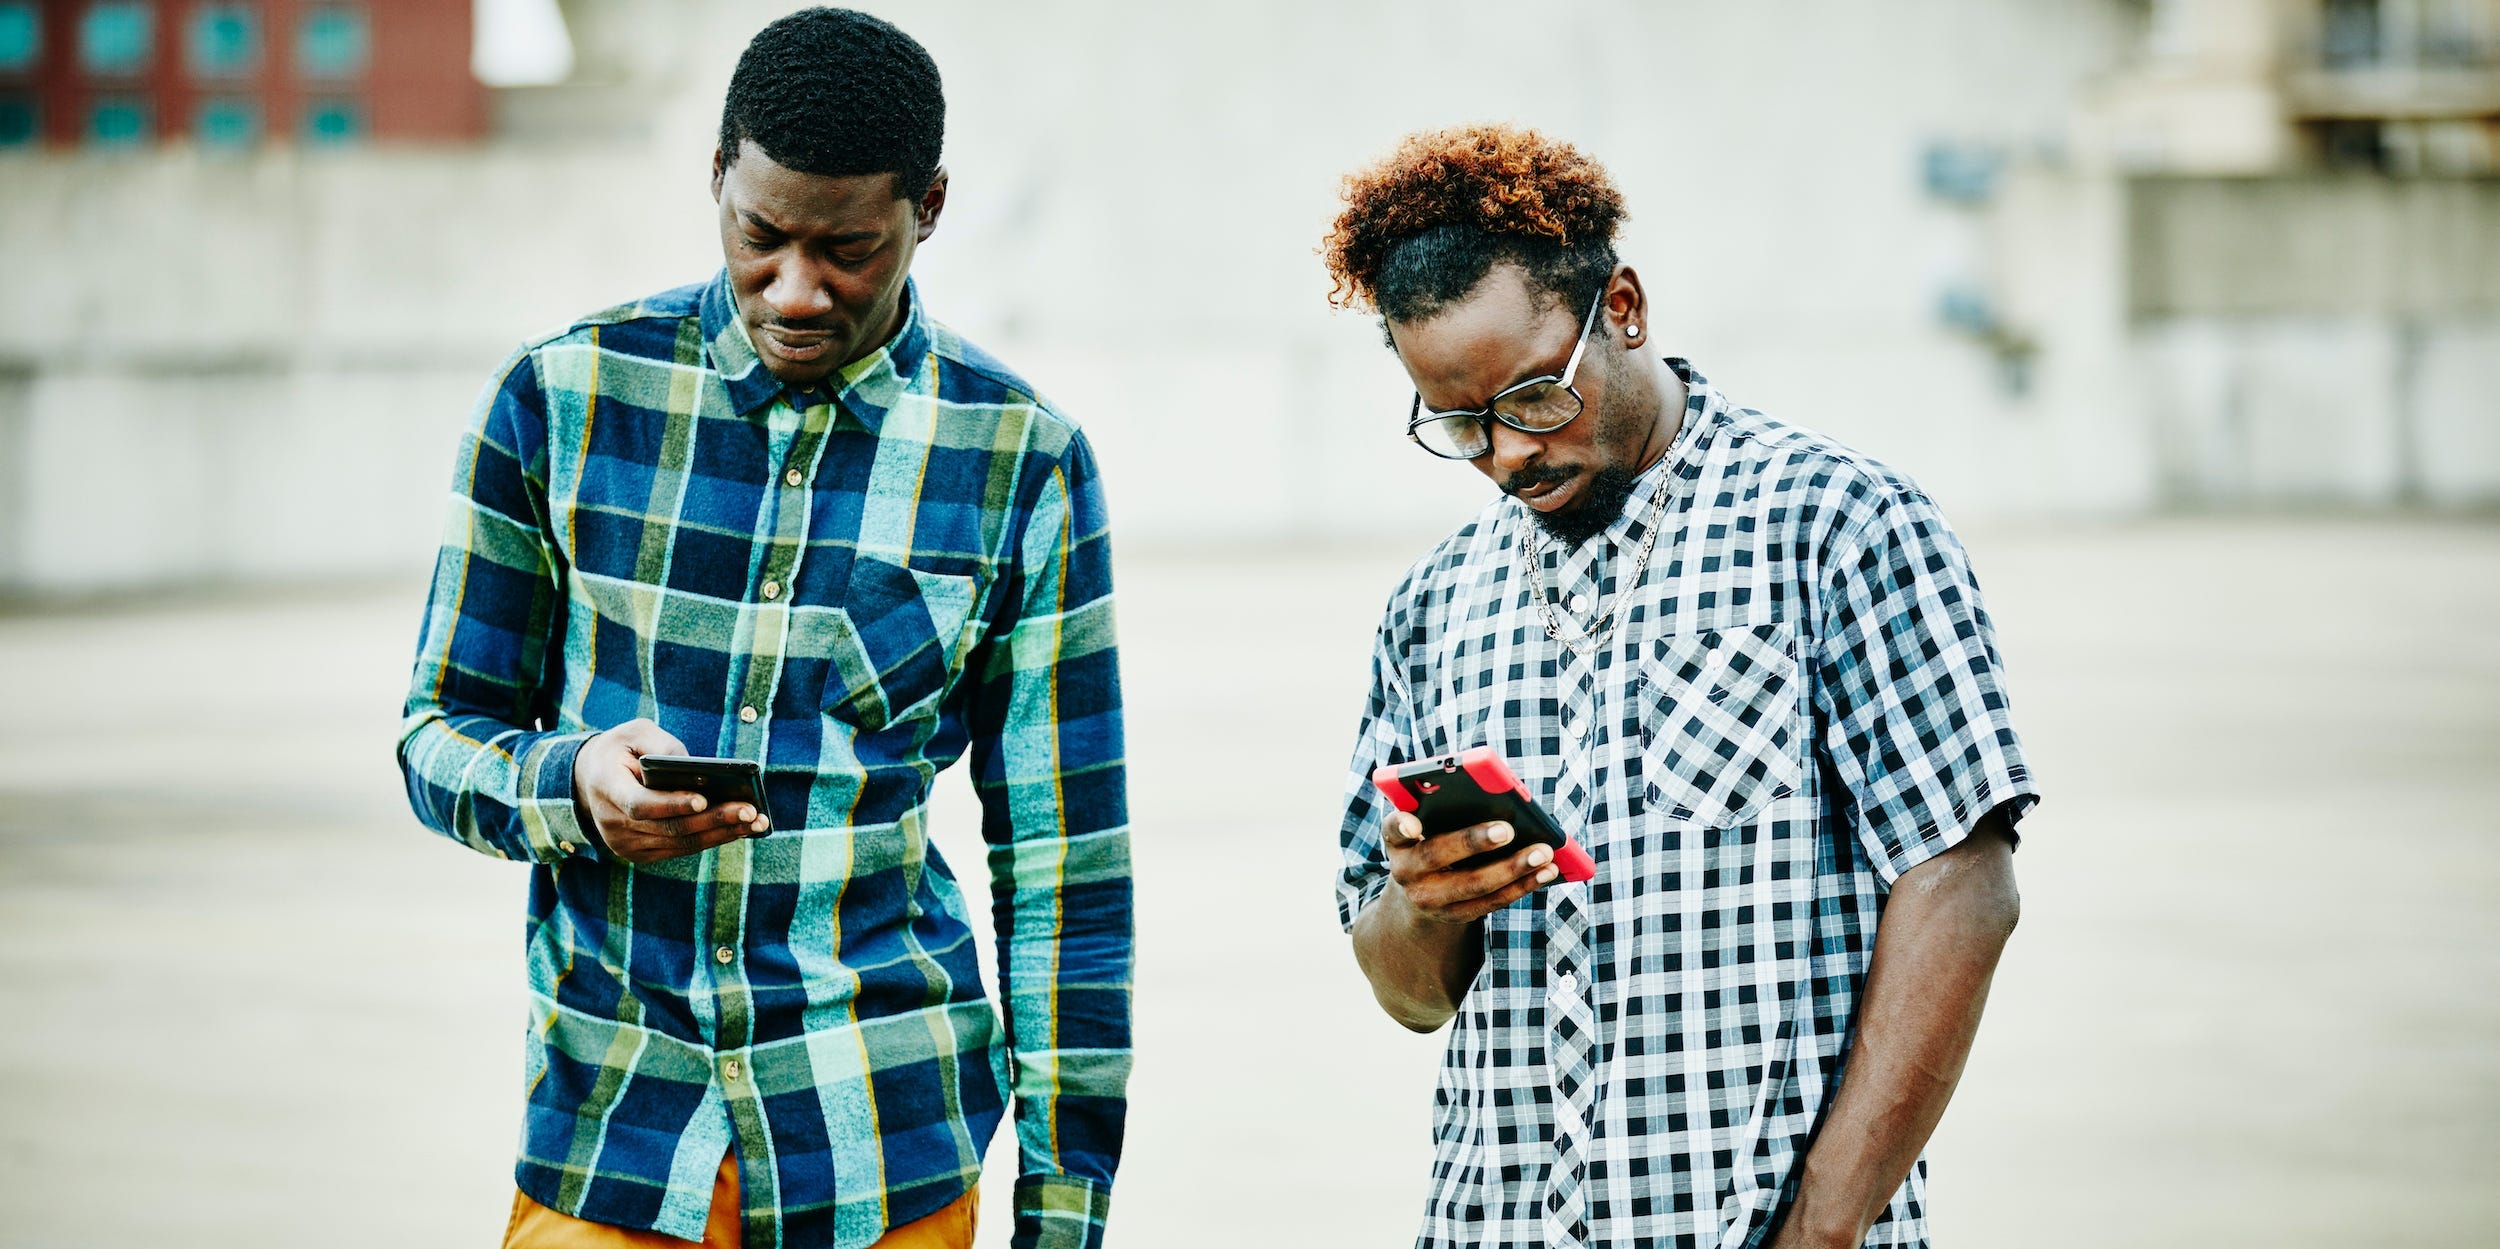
(794,294)
(1513,449)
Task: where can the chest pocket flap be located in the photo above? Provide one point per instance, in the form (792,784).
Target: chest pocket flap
(898,653)
(1724,725)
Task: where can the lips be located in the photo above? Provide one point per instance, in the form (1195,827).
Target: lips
(1549,496)
(798,347)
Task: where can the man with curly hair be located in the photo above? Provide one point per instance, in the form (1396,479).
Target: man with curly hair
(1747,668)
(788,517)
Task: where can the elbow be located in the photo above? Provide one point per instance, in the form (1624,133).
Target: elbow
(2003,911)
(1415,1017)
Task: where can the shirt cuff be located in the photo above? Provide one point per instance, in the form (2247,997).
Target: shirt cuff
(552,828)
(1060,1212)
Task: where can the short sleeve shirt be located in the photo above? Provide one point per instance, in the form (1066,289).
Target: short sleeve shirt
(1799,701)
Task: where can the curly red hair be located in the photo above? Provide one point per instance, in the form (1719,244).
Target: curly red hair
(1503,180)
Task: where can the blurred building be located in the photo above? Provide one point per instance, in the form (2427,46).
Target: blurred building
(2309,246)
(2068,257)
(234,73)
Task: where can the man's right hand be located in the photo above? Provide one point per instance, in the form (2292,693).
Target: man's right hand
(642,825)
(1436,888)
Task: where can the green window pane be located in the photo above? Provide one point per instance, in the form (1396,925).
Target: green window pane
(225,40)
(21,37)
(116,37)
(334,41)
(334,121)
(20,124)
(228,123)
(118,122)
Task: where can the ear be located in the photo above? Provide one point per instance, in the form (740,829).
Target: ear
(1627,306)
(931,204)
(720,169)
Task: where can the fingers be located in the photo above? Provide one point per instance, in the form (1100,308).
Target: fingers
(1438,853)
(1472,893)
(653,805)
(1507,894)
(1401,831)
(670,839)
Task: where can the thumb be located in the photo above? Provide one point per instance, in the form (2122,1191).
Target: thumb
(642,737)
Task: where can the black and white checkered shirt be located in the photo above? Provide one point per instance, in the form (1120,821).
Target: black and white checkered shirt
(1803,701)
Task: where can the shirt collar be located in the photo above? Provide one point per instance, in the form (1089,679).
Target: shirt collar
(867,387)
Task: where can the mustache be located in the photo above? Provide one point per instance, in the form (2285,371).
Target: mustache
(799,327)
(1529,478)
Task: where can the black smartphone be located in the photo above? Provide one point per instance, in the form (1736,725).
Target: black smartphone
(720,780)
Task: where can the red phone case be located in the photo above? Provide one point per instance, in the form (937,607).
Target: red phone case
(1491,775)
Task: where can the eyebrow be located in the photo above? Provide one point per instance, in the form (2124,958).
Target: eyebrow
(756,221)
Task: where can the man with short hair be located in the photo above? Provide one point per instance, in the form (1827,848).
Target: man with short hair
(1747,669)
(786,516)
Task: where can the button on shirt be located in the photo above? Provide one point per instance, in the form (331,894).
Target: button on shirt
(856,589)
(1801,701)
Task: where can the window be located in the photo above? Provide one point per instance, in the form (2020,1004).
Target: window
(227,122)
(328,122)
(118,121)
(333,42)
(21,38)
(225,41)
(20,124)
(116,37)
(2352,34)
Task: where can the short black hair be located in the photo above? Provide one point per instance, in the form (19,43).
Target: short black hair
(837,93)
(1422,273)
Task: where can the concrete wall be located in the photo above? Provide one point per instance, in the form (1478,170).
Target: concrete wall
(253,368)
(2319,340)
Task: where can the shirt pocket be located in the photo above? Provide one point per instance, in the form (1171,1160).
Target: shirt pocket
(1722,711)
(897,643)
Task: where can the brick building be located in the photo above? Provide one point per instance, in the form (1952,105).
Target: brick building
(236,73)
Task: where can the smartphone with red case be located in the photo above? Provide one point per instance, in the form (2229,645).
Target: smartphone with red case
(1469,788)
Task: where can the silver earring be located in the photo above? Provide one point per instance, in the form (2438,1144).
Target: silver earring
(1632,330)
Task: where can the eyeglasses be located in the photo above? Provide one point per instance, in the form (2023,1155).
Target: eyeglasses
(1539,405)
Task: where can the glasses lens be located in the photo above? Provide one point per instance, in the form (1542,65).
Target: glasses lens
(1457,437)
(1546,405)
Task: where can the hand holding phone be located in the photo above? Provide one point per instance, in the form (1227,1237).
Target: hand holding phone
(646,823)
(1466,840)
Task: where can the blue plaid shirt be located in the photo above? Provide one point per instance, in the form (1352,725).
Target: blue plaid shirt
(855,586)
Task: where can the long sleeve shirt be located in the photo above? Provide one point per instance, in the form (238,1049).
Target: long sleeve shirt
(855,585)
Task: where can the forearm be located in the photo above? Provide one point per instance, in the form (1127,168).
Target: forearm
(1419,968)
(1066,953)
(498,789)
(1943,930)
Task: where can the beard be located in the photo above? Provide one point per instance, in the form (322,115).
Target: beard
(1600,502)
(1622,431)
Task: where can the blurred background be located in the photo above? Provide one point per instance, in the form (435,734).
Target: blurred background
(2187,310)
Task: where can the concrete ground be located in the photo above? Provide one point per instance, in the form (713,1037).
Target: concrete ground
(246,1000)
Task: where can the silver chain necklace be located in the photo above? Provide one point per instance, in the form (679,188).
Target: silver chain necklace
(1602,625)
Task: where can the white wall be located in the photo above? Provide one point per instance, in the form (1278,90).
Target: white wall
(1138,194)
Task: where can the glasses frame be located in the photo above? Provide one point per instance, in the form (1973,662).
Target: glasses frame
(1417,414)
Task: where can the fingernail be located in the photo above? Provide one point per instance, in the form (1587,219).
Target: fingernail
(1498,834)
(746,813)
(1547,876)
(1540,855)
(761,824)
(699,804)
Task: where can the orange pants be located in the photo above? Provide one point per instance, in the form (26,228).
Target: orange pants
(536,1227)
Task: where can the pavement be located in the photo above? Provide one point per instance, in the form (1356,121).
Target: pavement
(2255,999)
